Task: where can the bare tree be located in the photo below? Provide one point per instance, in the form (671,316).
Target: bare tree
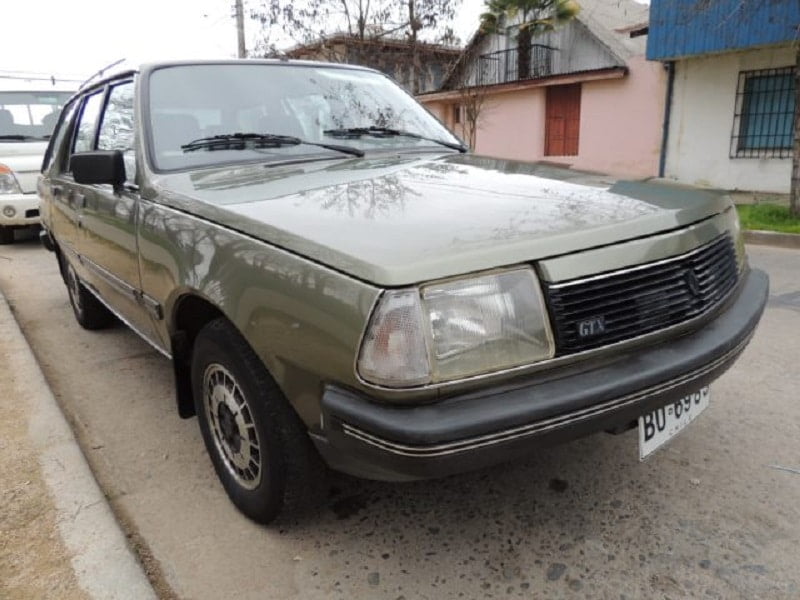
(418,15)
(307,21)
(323,23)
(473,98)
(473,102)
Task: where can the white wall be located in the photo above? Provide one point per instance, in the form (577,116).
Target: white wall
(703,105)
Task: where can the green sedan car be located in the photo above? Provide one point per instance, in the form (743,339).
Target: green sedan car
(339,283)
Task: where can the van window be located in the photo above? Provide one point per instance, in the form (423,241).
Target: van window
(30,115)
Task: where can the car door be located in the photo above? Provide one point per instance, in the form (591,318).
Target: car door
(107,222)
(52,185)
(67,196)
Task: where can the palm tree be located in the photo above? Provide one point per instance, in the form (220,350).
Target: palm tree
(535,16)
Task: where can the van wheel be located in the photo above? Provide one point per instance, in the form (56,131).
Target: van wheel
(88,310)
(260,448)
(6,234)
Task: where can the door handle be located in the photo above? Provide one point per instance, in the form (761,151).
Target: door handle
(56,190)
(76,200)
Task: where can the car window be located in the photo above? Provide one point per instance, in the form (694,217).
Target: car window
(317,104)
(84,137)
(57,141)
(117,126)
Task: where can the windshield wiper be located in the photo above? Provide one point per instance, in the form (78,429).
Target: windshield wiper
(242,141)
(357,132)
(15,136)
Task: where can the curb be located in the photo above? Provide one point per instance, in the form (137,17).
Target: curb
(104,565)
(772,238)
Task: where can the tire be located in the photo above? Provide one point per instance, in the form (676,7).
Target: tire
(6,234)
(89,311)
(278,472)
(62,265)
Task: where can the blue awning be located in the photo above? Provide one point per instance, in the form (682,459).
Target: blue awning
(680,28)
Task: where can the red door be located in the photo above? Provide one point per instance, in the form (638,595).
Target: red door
(562,120)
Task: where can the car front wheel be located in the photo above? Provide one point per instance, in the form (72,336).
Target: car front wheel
(88,310)
(258,445)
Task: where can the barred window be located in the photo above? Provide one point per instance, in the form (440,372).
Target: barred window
(764,117)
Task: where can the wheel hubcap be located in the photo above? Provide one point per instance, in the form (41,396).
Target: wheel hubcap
(232,427)
(227,425)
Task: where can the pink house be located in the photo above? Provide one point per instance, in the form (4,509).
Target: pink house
(582,96)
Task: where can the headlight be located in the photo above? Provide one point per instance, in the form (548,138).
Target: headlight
(735,229)
(454,329)
(8,183)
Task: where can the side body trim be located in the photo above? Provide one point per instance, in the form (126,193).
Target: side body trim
(150,304)
(132,293)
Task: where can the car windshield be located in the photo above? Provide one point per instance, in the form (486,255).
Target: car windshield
(318,104)
(29,115)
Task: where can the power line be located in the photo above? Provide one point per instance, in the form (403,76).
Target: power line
(52,79)
(38,76)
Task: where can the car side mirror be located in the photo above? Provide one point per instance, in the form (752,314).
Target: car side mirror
(98,167)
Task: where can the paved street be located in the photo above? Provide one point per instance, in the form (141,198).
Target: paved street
(714,515)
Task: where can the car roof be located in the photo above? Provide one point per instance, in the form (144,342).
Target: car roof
(254,61)
(125,68)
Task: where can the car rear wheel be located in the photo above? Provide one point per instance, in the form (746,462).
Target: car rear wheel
(258,445)
(88,310)
(6,234)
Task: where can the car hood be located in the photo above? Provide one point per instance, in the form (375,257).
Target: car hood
(400,220)
(25,159)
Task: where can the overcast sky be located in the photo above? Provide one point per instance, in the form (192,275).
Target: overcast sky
(78,37)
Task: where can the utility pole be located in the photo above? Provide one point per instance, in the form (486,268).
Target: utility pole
(794,188)
(240,28)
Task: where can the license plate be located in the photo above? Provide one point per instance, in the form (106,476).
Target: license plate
(661,425)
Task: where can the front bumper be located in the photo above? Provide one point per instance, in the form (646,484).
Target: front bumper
(24,206)
(475,430)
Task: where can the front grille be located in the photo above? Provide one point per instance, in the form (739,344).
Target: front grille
(615,306)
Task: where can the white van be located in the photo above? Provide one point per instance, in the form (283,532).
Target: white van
(29,110)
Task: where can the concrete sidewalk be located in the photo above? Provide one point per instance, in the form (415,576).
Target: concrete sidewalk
(58,536)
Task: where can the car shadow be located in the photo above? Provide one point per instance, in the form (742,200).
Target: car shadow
(504,526)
